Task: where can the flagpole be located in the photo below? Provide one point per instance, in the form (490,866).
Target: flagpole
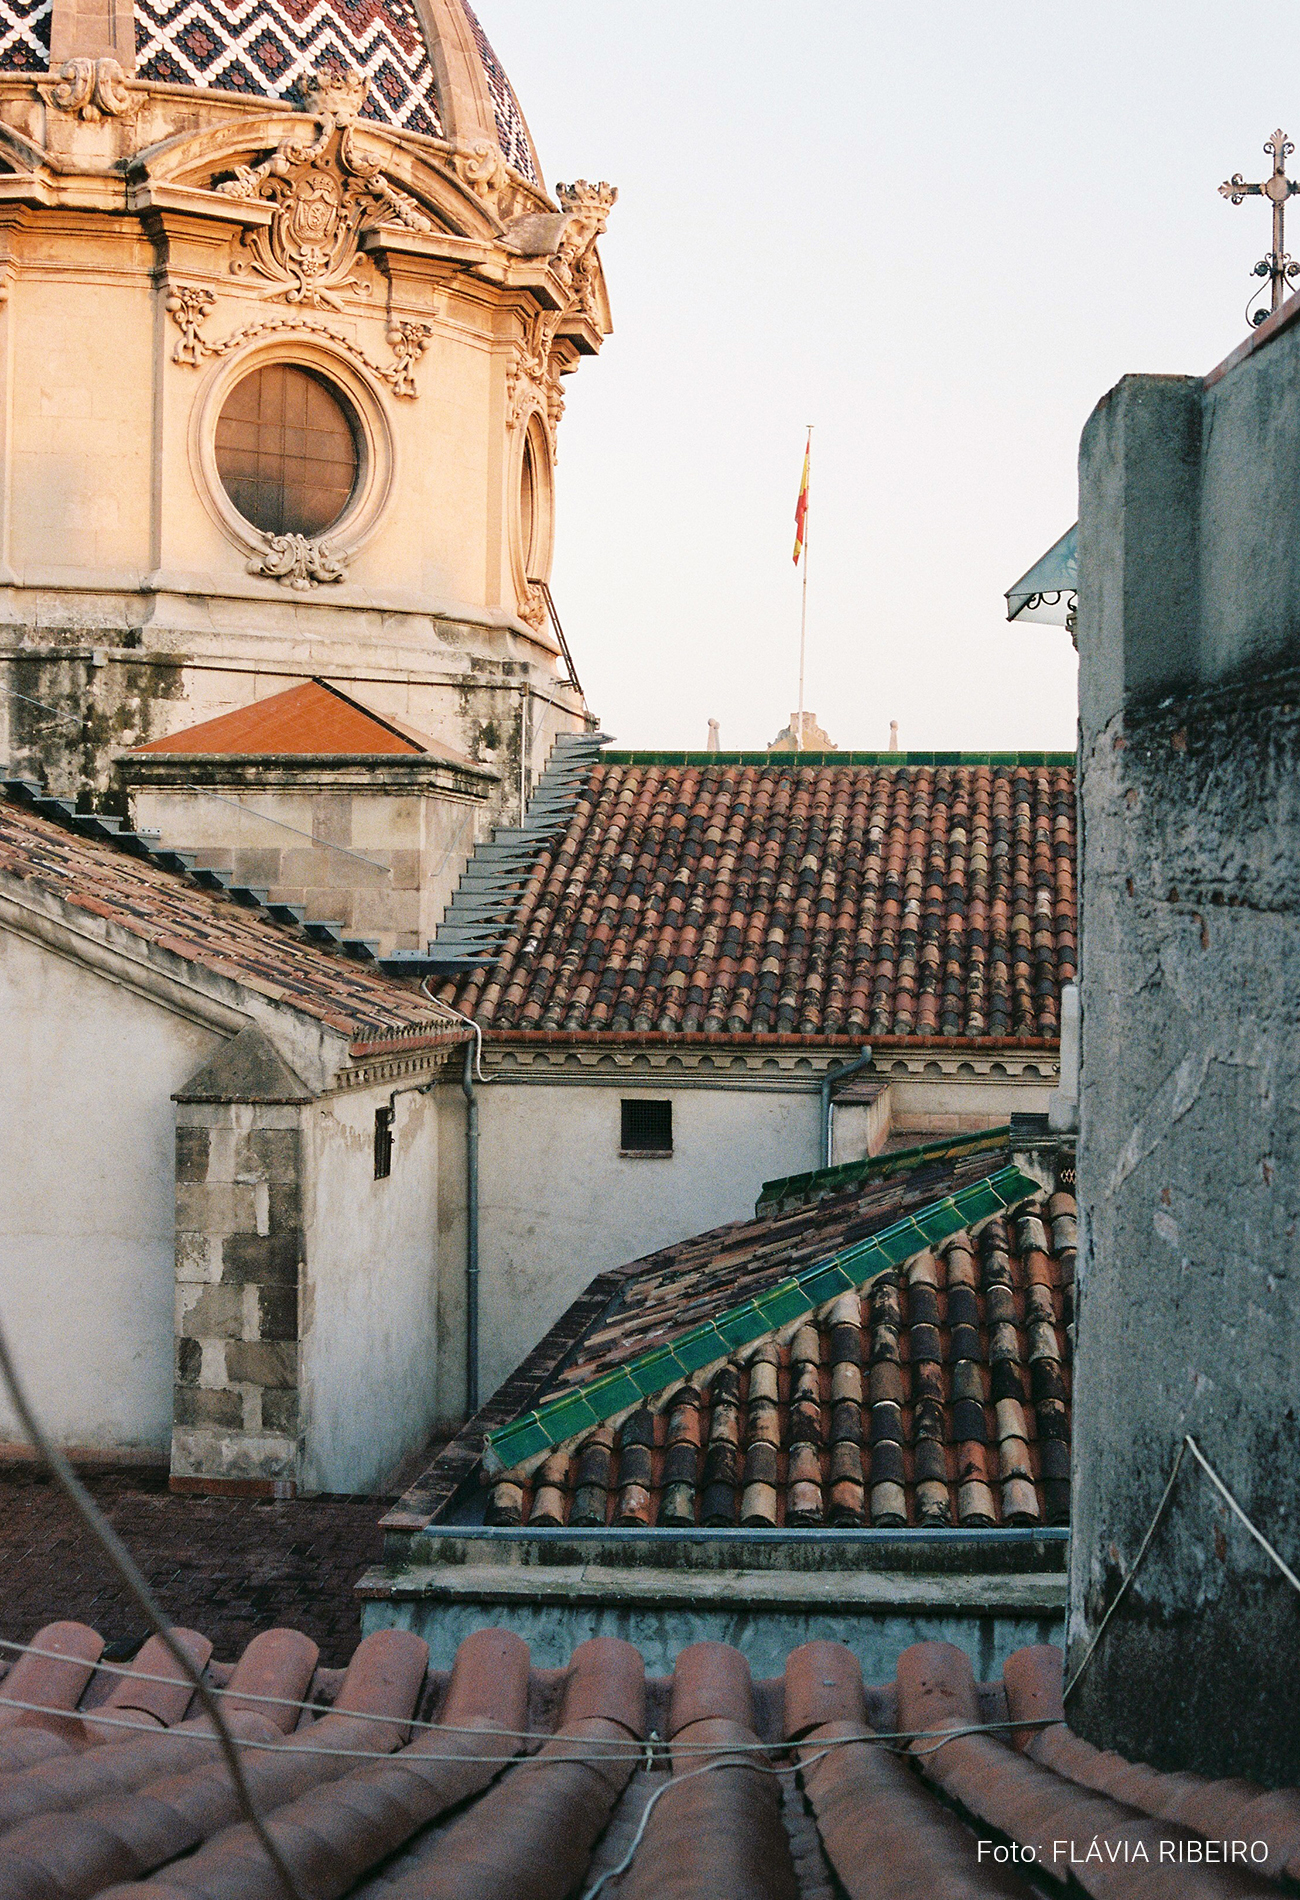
(803,616)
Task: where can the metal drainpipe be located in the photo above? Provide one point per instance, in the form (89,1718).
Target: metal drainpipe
(471,1233)
(831,1080)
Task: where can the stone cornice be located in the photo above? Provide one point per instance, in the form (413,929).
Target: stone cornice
(676,1062)
(393,773)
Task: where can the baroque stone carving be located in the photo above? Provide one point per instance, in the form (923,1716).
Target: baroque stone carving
(532,370)
(481,165)
(93,89)
(588,208)
(188,306)
(325,191)
(532,607)
(298,562)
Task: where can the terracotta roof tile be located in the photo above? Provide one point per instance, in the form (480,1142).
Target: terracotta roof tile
(775,898)
(908,1404)
(203,927)
(937,1395)
(536,1785)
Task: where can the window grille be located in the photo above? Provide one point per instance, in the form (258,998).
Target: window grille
(383,1143)
(647,1127)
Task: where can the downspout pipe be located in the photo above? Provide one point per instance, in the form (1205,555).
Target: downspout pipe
(471,1233)
(473,1066)
(830,1082)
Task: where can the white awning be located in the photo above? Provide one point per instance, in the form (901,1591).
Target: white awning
(1047,591)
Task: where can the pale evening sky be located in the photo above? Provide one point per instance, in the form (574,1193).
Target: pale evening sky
(939,234)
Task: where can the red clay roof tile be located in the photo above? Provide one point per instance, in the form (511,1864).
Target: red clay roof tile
(314,719)
(202,927)
(785,899)
(476,1810)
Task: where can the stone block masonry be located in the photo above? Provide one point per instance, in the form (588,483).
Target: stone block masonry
(240,1252)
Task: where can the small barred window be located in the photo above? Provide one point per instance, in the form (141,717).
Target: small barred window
(647,1128)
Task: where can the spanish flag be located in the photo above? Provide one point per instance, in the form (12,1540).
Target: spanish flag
(801,506)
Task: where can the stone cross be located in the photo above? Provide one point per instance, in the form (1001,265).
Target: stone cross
(1276,266)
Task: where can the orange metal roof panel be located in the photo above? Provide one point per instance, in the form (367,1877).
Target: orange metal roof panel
(309,719)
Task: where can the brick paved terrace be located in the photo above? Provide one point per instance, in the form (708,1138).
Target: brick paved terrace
(227,1566)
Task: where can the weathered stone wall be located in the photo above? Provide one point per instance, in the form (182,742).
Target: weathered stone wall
(1189,1160)
(239,1260)
(342,845)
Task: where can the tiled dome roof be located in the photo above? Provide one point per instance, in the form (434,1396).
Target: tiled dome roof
(442,79)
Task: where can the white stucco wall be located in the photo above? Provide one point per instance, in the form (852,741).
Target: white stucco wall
(369,1318)
(559,1204)
(86,1196)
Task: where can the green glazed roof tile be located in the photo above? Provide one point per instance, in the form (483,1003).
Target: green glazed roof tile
(782,1303)
(562,1418)
(880,1167)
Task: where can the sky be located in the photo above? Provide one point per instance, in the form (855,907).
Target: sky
(939,235)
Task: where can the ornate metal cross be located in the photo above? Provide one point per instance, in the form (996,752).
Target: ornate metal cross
(1276,266)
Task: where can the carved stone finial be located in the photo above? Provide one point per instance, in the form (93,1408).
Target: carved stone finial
(336,92)
(598,200)
(587,208)
(92,89)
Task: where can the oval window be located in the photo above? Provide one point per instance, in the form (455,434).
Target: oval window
(287,451)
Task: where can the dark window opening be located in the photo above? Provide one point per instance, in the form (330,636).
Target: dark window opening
(383,1143)
(287,451)
(647,1128)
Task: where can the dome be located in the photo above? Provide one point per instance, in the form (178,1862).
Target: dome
(430,66)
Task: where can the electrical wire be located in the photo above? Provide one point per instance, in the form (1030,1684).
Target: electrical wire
(631,1747)
(675,1781)
(124,1564)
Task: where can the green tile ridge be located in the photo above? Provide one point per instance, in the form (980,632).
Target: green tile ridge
(563,1417)
(881,1167)
(838,758)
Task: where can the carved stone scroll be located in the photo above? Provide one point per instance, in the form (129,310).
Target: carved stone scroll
(298,562)
(92,89)
(188,305)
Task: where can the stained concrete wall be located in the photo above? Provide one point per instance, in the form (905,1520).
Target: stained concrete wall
(86,1208)
(1189,1158)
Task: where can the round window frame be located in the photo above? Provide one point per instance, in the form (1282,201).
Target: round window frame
(533,429)
(376,447)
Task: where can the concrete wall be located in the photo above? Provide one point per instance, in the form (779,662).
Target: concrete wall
(370,1291)
(876,1591)
(86,1208)
(1189,1159)
(559,1203)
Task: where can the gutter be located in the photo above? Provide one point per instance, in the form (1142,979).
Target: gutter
(830,1082)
